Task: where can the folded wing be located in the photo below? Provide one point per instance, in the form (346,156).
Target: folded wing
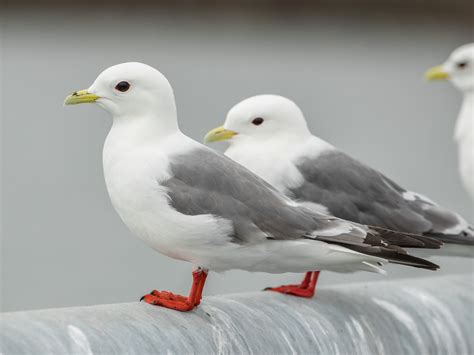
(355,192)
(205,182)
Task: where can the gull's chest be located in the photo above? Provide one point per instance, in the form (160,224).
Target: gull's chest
(464,135)
(133,178)
(133,182)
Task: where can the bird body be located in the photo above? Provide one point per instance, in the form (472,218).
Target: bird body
(464,136)
(136,173)
(459,69)
(191,203)
(133,172)
(282,150)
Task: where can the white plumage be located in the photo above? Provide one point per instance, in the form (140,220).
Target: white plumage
(459,69)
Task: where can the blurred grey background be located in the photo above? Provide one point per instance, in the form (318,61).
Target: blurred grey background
(356,70)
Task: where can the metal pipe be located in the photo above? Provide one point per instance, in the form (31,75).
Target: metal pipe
(432,315)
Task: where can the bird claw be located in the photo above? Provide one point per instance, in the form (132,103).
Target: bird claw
(304,289)
(168,300)
(294,290)
(281,287)
(168,295)
(178,302)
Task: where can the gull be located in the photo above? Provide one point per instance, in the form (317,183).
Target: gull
(459,69)
(268,134)
(191,203)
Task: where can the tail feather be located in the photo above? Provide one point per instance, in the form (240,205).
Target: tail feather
(410,260)
(464,238)
(389,245)
(407,240)
(395,256)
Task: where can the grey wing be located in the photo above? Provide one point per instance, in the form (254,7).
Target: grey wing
(205,182)
(353,191)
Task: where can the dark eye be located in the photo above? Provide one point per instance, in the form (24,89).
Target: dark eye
(257,121)
(122,86)
(461,65)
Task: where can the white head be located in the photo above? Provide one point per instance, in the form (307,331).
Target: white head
(458,68)
(130,91)
(261,118)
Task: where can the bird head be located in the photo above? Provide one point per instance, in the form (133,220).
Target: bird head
(261,118)
(458,68)
(128,90)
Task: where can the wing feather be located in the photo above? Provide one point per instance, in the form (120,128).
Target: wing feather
(355,192)
(205,182)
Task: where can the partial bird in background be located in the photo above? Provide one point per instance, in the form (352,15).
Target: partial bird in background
(191,203)
(459,70)
(269,135)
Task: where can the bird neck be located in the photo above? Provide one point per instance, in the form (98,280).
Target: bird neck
(250,150)
(465,122)
(289,138)
(130,134)
(147,126)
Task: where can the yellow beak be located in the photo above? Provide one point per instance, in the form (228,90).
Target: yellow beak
(436,73)
(80,97)
(218,134)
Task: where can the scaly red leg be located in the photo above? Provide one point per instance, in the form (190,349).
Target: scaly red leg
(198,296)
(304,289)
(178,302)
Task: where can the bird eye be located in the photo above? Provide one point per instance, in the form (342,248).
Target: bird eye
(257,121)
(461,65)
(122,86)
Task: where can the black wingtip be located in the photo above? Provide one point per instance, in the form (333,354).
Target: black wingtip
(414,261)
(395,256)
(407,240)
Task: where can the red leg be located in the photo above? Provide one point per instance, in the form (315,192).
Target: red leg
(178,302)
(305,289)
(198,297)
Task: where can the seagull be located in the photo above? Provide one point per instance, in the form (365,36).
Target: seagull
(459,69)
(268,134)
(191,203)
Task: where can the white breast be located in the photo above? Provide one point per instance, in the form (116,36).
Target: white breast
(464,136)
(133,175)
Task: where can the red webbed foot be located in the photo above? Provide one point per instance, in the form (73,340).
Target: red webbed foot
(178,302)
(305,289)
(169,300)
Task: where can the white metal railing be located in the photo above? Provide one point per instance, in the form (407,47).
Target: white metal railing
(432,315)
